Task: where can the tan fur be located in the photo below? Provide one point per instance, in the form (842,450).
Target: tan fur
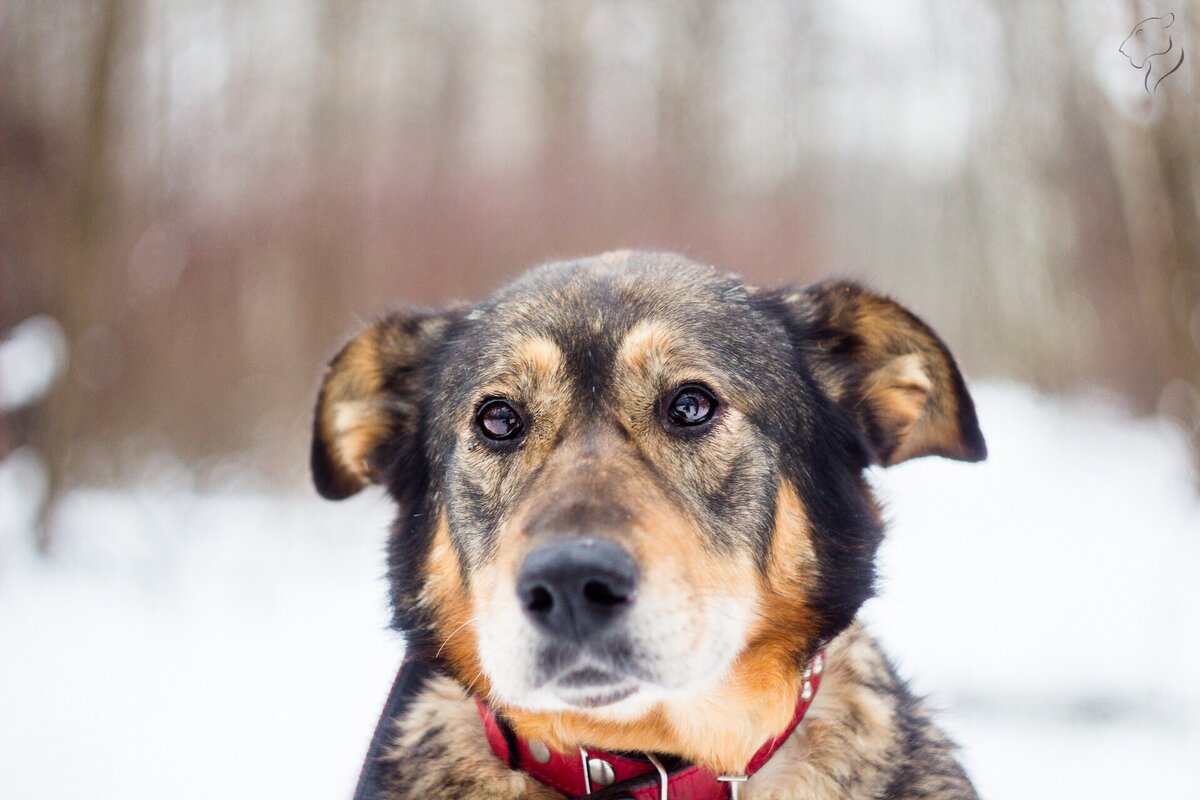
(907,374)
(456,761)
(645,344)
(449,600)
(539,357)
(355,426)
(899,391)
(350,416)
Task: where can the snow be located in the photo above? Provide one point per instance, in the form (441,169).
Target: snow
(23,486)
(200,645)
(32,355)
(1046,599)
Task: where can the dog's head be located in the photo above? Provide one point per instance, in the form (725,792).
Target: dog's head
(631,480)
(1148,39)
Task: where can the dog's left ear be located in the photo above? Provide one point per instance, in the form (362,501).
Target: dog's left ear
(889,372)
(368,409)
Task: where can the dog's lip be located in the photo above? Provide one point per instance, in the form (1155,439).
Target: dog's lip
(587,676)
(599,699)
(590,686)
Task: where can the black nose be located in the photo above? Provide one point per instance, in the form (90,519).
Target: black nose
(575,587)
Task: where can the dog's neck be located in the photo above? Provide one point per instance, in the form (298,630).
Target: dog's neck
(720,729)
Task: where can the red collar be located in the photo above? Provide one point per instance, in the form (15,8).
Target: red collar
(589,773)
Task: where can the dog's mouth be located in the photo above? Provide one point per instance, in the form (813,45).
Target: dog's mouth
(591,676)
(591,687)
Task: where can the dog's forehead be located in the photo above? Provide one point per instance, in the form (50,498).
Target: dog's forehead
(580,320)
(587,307)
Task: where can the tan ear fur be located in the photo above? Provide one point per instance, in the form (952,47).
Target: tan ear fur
(367,406)
(891,373)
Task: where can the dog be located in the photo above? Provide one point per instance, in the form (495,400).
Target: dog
(634,534)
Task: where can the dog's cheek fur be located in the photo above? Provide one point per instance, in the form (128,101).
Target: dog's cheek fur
(789,629)
(446,602)
(822,455)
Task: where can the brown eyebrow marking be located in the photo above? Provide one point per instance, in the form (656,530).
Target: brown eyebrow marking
(537,355)
(532,362)
(647,343)
(657,351)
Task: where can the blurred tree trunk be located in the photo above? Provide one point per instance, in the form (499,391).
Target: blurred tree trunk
(562,64)
(1156,162)
(333,255)
(1174,145)
(690,122)
(82,283)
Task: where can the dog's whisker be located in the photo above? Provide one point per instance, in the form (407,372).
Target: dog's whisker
(471,685)
(448,638)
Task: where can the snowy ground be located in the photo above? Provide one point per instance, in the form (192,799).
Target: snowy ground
(199,646)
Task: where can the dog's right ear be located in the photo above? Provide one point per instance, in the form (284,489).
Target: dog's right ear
(368,407)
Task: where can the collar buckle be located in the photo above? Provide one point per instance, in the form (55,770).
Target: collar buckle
(735,784)
(664,779)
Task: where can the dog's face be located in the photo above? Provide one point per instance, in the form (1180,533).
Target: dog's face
(1149,38)
(624,480)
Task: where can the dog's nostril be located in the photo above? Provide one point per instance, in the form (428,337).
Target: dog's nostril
(602,594)
(575,587)
(540,600)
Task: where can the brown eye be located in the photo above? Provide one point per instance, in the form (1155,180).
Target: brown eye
(497,420)
(691,406)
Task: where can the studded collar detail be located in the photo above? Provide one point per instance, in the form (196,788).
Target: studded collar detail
(597,775)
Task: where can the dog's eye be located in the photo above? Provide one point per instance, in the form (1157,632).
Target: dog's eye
(691,406)
(497,420)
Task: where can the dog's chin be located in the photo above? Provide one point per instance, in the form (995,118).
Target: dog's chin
(590,686)
(622,701)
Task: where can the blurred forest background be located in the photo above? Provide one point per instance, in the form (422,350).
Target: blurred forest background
(200,199)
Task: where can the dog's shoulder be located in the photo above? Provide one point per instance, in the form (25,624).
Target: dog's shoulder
(435,747)
(866,735)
